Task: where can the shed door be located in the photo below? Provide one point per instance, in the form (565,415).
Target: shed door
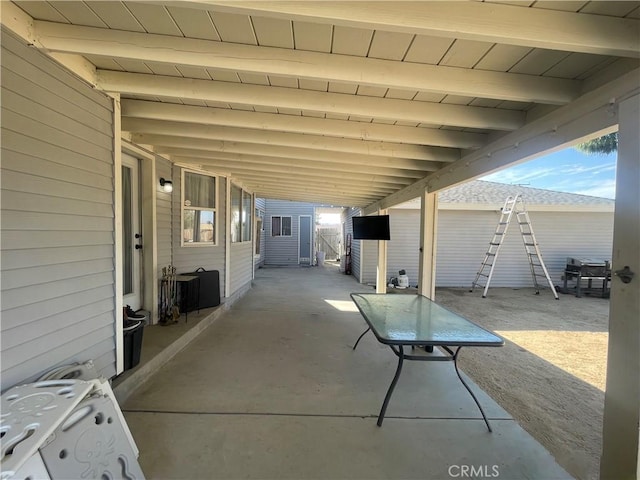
(304,240)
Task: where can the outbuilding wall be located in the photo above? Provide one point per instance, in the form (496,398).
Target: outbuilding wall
(463,239)
(283,250)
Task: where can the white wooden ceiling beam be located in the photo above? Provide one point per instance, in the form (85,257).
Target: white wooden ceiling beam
(308,100)
(484,22)
(308,125)
(16,20)
(355,178)
(304,64)
(334,200)
(391,175)
(22,24)
(311,183)
(593,114)
(285,139)
(284,152)
(307,185)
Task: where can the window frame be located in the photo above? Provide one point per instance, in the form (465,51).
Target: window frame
(280,234)
(216,217)
(249,217)
(259,232)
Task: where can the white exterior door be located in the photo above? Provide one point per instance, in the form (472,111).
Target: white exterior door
(131,233)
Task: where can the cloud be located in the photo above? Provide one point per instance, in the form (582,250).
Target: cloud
(577,169)
(565,171)
(605,189)
(520,174)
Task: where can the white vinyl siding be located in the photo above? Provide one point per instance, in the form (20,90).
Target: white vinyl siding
(241,265)
(464,235)
(163,214)
(560,235)
(369,263)
(57,218)
(403,249)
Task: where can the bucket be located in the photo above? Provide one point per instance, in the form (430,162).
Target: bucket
(320,258)
(403,281)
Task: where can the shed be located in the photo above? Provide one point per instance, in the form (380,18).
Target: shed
(288,233)
(565,225)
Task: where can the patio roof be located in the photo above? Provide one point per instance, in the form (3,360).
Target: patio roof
(346,103)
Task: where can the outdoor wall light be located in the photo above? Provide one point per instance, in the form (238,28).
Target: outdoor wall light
(167,185)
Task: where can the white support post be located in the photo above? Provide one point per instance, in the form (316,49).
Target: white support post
(149,237)
(254,234)
(381,278)
(227,239)
(428,244)
(620,449)
(117,230)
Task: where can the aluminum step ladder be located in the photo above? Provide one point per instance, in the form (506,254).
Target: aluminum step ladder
(513,205)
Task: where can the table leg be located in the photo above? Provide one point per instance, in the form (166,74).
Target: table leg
(387,397)
(360,337)
(455,364)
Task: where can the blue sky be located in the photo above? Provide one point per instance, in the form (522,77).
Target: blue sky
(565,171)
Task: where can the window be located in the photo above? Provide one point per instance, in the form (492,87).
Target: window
(280,226)
(198,209)
(240,215)
(247,221)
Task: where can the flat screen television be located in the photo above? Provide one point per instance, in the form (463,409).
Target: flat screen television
(374,227)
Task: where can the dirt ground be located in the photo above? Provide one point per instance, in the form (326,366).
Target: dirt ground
(551,373)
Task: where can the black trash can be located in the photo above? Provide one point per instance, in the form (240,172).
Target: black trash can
(133,343)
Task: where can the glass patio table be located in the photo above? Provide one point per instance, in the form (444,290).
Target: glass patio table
(400,321)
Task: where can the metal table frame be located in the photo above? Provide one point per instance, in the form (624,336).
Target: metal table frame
(578,277)
(185,281)
(398,348)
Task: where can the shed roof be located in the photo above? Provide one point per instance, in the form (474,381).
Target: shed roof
(483,195)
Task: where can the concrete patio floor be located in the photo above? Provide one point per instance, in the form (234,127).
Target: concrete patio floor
(272,389)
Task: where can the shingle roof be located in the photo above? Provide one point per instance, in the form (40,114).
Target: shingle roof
(483,192)
(483,195)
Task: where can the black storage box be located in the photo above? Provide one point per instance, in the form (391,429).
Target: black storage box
(133,345)
(209,287)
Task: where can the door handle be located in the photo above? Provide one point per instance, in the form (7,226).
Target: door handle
(138,247)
